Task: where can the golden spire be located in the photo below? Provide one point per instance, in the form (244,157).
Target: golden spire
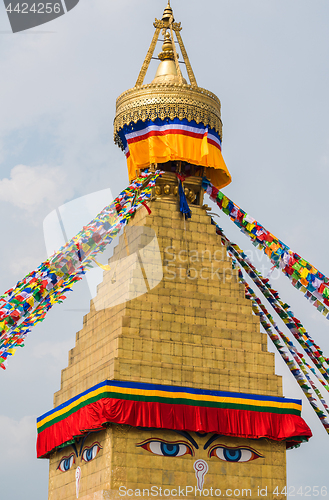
(167,49)
(169,95)
(168,13)
(166,24)
(167,70)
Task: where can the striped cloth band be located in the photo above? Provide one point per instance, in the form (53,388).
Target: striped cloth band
(170,407)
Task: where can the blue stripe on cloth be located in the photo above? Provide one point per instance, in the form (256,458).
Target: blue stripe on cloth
(172,389)
(140,125)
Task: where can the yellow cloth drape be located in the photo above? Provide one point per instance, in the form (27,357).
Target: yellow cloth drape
(169,147)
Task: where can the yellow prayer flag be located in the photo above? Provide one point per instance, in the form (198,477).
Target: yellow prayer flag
(304,273)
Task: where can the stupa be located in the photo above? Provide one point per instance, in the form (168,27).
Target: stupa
(170,389)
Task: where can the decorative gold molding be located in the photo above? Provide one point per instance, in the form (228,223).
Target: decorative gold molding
(166,188)
(149,55)
(177,26)
(186,59)
(165,100)
(179,73)
(163,25)
(159,24)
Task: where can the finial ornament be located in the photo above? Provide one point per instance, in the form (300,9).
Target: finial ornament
(168,16)
(167,49)
(168,95)
(167,23)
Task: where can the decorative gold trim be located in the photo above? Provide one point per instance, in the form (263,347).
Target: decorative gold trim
(167,100)
(166,55)
(159,24)
(163,25)
(167,188)
(179,73)
(185,57)
(177,26)
(149,55)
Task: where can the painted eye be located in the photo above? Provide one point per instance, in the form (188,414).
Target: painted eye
(167,449)
(89,454)
(234,454)
(66,463)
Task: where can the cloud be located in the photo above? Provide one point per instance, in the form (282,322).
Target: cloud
(60,98)
(17,439)
(30,187)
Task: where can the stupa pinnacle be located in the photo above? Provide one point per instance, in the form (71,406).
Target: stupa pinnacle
(170,99)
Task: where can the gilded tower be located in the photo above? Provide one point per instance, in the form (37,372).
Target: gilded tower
(170,389)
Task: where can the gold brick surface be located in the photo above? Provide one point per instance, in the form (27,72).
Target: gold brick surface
(123,462)
(193,330)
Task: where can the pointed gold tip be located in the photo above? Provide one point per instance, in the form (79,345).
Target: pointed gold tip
(168,13)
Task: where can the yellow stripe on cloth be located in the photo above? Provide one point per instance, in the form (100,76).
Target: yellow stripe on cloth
(179,147)
(170,395)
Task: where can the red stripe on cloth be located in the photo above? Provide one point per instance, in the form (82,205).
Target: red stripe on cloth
(159,133)
(214,143)
(227,422)
(156,133)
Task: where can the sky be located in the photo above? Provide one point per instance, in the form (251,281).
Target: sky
(267,61)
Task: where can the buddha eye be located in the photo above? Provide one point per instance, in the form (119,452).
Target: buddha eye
(66,463)
(90,453)
(166,448)
(234,454)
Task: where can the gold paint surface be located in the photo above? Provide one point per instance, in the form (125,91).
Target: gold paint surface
(124,465)
(167,100)
(193,329)
(168,96)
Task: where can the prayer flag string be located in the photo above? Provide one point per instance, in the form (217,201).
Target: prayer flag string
(293,367)
(22,307)
(283,310)
(297,365)
(303,275)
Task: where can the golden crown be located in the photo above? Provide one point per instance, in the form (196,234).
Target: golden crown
(169,95)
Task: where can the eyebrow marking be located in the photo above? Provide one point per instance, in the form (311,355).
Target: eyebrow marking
(187,436)
(74,449)
(210,441)
(83,441)
(182,433)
